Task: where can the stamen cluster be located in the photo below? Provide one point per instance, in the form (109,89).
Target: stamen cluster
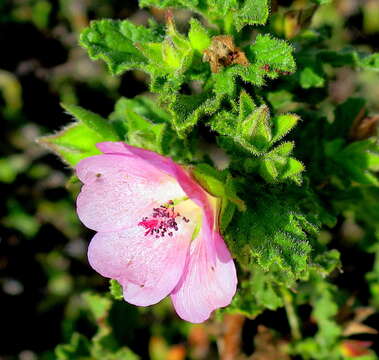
(162,221)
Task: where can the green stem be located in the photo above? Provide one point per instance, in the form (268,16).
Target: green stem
(291,314)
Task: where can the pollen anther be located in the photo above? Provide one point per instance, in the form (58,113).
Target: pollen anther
(162,221)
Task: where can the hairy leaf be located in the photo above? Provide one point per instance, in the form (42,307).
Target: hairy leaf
(271,232)
(115,42)
(252,12)
(187,110)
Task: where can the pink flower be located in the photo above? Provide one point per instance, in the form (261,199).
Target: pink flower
(157,231)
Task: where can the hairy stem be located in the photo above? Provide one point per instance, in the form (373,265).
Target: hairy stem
(293,320)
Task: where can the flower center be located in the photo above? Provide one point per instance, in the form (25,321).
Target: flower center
(162,221)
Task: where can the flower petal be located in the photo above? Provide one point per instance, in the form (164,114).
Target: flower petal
(206,285)
(164,164)
(147,267)
(90,169)
(117,199)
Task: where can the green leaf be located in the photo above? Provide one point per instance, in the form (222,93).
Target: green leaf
(143,133)
(125,46)
(222,8)
(77,349)
(272,54)
(115,42)
(144,123)
(373,280)
(169,3)
(345,115)
(310,78)
(350,57)
(355,162)
(240,13)
(93,121)
(252,12)
(323,298)
(258,293)
(99,306)
(73,143)
(268,57)
(326,262)
(270,233)
(187,110)
(103,346)
(322,2)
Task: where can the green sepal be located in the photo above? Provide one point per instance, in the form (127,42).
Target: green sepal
(78,140)
(246,106)
(198,36)
(277,165)
(220,184)
(282,125)
(115,289)
(256,133)
(74,143)
(217,183)
(143,133)
(253,133)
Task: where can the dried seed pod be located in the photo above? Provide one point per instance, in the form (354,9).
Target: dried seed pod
(223,52)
